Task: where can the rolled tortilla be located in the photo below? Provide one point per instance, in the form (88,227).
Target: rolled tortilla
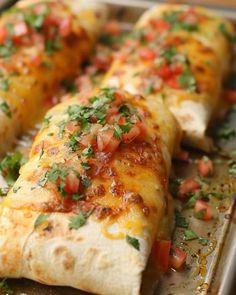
(89,203)
(42,43)
(181,54)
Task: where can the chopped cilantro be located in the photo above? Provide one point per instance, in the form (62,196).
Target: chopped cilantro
(4,84)
(46,121)
(5,109)
(77,221)
(176,24)
(117,132)
(61,125)
(74,140)
(200,214)
(203,241)
(187,80)
(190,235)
(180,220)
(85,166)
(192,200)
(133,242)
(225,133)
(88,152)
(51,46)
(77,197)
(11,165)
(40,219)
(231,38)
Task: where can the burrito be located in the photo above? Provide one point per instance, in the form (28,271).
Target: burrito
(41,44)
(92,198)
(183,55)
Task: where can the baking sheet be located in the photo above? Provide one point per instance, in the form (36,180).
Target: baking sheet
(209,269)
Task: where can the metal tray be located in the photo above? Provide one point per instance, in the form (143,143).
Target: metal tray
(209,269)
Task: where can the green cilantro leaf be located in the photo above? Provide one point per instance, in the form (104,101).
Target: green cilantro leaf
(77,221)
(133,242)
(190,235)
(5,109)
(10,166)
(180,220)
(40,219)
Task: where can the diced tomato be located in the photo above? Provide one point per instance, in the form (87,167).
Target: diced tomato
(189,185)
(177,257)
(20,29)
(176,69)
(113,28)
(173,83)
(147,54)
(230,96)
(71,183)
(65,26)
(204,208)
(183,155)
(131,135)
(111,114)
(3,35)
(189,16)
(160,25)
(51,20)
(106,141)
(90,138)
(160,252)
(164,71)
(205,166)
(121,121)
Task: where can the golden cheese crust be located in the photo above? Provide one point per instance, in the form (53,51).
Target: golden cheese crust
(93,195)
(41,45)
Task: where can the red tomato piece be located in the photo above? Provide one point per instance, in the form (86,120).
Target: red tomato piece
(3,35)
(230,96)
(71,183)
(189,185)
(173,83)
(164,71)
(177,258)
(203,210)
(65,27)
(106,141)
(160,25)
(147,54)
(161,252)
(176,69)
(205,166)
